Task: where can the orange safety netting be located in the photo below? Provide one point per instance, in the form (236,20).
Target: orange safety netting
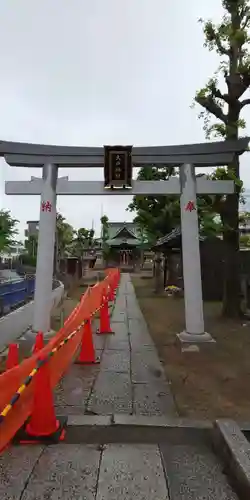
(11,380)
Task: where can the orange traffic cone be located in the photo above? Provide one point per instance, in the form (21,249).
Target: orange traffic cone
(43,426)
(12,358)
(104,318)
(87,354)
(111,294)
(39,343)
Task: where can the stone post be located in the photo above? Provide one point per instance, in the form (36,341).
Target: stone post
(191,259)
(45,253)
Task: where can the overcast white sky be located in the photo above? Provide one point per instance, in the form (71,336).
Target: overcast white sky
(94,72)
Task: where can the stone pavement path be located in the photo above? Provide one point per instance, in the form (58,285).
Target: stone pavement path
(129,380)
(112,472)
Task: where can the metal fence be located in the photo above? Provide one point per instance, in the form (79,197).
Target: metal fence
(14,293)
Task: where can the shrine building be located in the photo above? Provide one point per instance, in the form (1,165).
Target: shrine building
(124,243)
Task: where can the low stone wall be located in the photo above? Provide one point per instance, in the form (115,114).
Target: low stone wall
(19,321)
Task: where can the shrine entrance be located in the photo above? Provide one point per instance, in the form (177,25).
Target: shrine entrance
(118,162)
(126,257)
(124,244)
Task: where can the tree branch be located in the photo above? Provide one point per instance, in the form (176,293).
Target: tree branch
(243,103)
(238,84)
(247,19)
(245,81)
(217,93)
(213,38)
(210,105)
(220,47)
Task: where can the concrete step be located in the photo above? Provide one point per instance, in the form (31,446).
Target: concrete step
(112,471)
(195,473)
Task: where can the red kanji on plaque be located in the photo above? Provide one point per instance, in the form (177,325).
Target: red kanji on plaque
(190,206)
(46,206)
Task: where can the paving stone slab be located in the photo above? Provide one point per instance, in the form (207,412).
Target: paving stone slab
(132,301)
(137,326)
(70,410)
(119,316)
(234,450)
(147,401)
(75,387)
(146,366)
(139,343)
(116,361)
(112,393)
(16,465)
(114,343)
(99,341)
(65,472)
(147,421)
(194,473)
(134,314)
(89,420)
(120,302)
(138,334)
(129,286)
(130,472)
(133,311)
(120,330)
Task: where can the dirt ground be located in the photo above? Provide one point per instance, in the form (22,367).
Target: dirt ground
(212,383)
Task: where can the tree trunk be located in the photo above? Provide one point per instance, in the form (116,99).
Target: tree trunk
(171,280)
(231,292)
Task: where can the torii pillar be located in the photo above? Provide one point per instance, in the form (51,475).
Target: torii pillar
(45,251)
(195,330)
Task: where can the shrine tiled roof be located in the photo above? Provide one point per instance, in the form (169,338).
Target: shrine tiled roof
(114,228)
(116,242)
(173,235)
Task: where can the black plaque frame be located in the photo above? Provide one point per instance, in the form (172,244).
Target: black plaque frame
(111,180)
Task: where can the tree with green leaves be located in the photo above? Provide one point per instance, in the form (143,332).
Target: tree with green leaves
(159,215)
(105,227)
(31,244)
(63,239)
(84,240)
(222,102)
(245,240)
(155,215)
(105,236)
(64,235)
(8,229)
(244,219)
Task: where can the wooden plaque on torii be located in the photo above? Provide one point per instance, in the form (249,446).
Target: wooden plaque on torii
(118,167)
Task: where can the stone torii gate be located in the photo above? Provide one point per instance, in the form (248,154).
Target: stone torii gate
(187,186)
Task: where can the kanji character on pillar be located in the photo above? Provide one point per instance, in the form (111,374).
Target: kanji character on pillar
(190,206)
(48,206)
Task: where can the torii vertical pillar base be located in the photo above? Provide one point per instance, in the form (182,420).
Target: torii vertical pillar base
(192,338)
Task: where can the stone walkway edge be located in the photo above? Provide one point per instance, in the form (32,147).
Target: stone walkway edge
(130,379)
